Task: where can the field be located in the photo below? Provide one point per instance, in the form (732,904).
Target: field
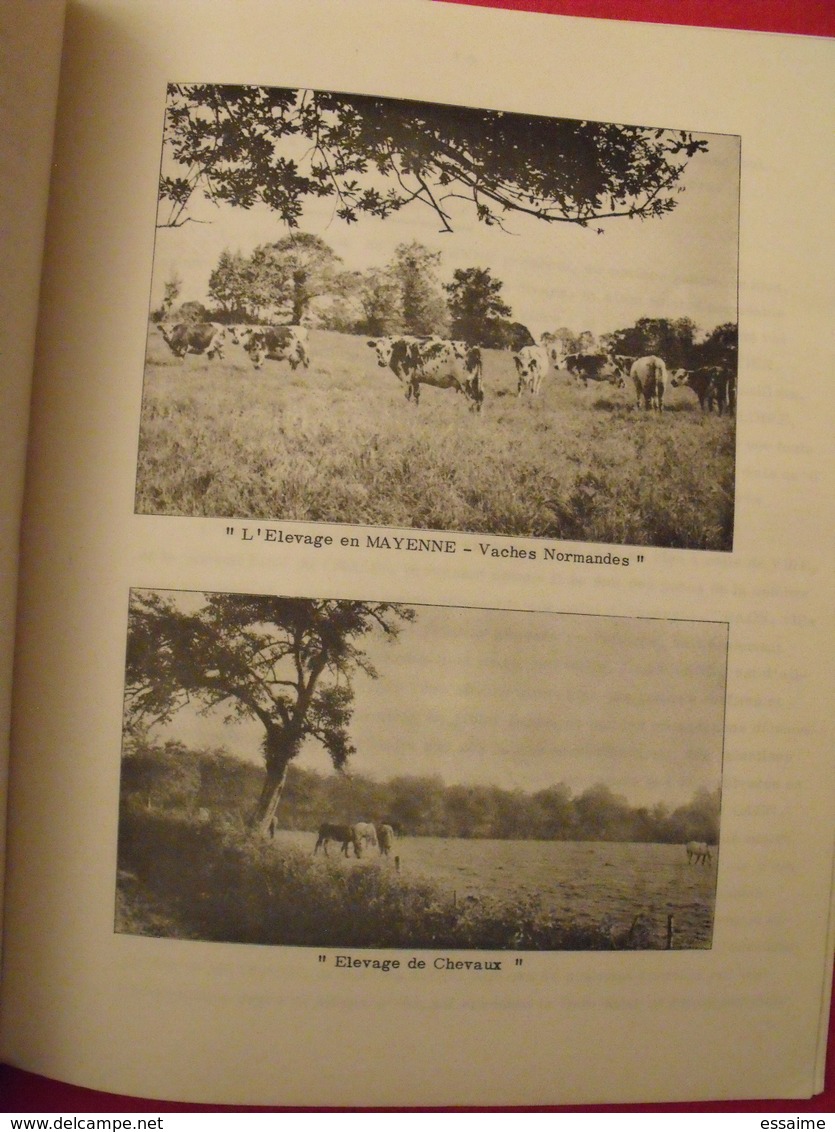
(339,443)
(587,884)
(185,877)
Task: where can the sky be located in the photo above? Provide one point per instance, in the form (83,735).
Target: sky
(680,265)
(527,700)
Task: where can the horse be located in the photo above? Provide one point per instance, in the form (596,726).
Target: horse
(342,833)
(385,838)
(364,834)
(698,852)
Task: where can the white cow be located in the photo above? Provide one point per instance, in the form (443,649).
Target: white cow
(649,376)
(532,364)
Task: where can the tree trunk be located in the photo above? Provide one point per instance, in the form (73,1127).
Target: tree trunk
(279,749)
(264,813)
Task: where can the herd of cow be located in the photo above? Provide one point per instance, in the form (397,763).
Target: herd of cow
(278,343)
(714,386)
(361,835)
(449,364)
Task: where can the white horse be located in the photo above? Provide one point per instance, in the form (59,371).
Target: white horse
(364,834)
(698,852)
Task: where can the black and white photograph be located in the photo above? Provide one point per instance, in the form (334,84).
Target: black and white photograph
(342,773)
(374,311)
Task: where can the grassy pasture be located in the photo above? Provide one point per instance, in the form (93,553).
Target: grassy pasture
(209,880)
(583,883)
(340,443)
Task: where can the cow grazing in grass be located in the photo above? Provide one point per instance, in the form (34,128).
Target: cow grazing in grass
(532,364)
(649,376)
(194,338)
(274,343)
(385,838)
(698,852)
(707,382)
(624,362)
(344,834)
(594,367)
(433,361)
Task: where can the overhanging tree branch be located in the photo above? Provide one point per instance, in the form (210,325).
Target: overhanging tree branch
(227,651)
(242,145)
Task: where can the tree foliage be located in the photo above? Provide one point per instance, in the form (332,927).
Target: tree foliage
(476,307)
(678,341)
(286,662)
(417,805)
(379,297)
(414,269)
(231,284)
(171,292)
(289,274)
(720,347)
(244,145)
(670,338)
(279,280)
(402,297)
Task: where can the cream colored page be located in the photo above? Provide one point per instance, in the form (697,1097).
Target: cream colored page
(30,55)
(274,1025)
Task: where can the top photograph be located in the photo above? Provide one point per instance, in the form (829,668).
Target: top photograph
(391,313)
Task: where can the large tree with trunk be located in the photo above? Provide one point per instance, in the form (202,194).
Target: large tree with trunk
(248,145)
(289,274)
(288,663)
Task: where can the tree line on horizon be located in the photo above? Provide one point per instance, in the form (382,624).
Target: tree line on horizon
(169,775)
(300,278)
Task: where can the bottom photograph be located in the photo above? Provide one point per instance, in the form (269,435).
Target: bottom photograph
(337,773)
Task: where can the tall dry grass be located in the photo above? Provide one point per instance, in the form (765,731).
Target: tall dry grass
(340,443)
(211,880)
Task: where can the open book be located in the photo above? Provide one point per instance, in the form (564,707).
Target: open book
(423,649)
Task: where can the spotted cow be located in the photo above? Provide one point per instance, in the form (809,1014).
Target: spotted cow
(194,338)
(433,361)
(532,363)
(594,367)
(713,386)
(283,342)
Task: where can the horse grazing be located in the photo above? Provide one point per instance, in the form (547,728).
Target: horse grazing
(364,834)
(344,834)
(385,839)
(698,852)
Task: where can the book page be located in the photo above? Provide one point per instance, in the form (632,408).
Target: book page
(30,55)
(422,694)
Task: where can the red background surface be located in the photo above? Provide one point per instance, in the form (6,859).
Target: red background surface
(27,1092)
